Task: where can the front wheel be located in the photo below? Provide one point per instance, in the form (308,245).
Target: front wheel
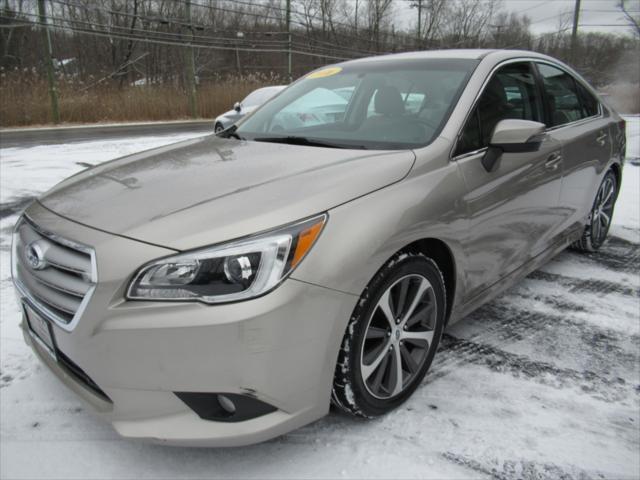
(392,337)
(218,128)
(599,221)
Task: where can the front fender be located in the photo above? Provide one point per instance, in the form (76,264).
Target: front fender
(361,235)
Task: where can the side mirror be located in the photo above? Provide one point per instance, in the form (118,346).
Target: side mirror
(237,106)
(512,136)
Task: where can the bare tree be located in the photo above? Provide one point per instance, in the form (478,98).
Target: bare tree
(633,21)
(511,31)
(116,43)
(378,12)
(434,12)
(467,23)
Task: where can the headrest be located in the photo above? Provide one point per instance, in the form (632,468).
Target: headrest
(388,101)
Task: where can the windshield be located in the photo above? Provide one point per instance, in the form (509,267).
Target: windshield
(381,104)
(258,97)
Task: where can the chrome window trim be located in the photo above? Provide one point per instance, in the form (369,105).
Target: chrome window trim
(576,77)
(462,156)
(35,303)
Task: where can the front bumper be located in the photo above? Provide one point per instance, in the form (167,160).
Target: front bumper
(279,349)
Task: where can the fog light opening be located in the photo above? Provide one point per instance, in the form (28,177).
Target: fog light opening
(226,404)
(225,407)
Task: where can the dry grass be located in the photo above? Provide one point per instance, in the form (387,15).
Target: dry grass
(24,99)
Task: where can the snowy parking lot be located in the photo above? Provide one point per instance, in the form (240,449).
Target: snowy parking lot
(543,382)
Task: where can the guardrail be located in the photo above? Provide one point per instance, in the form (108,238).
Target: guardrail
(14,137)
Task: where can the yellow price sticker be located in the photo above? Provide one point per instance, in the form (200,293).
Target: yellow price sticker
(326,72)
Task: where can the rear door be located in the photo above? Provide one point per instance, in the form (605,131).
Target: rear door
(512,209)
(574,117)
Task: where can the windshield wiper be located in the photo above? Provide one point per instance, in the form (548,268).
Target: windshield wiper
(229,133)
(307,142)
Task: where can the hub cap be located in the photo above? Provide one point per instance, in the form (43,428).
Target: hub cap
(603,210)
(398,336)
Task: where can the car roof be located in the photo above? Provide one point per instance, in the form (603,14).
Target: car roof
(469,53)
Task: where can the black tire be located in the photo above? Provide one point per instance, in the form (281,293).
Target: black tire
(350,393)
(218,128)
(595,232)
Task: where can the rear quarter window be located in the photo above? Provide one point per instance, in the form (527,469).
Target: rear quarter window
(590,104)
(567,100)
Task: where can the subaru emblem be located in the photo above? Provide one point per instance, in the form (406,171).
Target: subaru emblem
(35,256)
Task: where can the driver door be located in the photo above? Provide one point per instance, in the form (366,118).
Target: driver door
(512,209)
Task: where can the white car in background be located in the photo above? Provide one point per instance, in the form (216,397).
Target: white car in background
(248,105)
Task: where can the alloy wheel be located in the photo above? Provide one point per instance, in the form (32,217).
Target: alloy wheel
(398,337)
(603,210)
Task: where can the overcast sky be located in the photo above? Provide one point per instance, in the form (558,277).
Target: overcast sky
(545,15)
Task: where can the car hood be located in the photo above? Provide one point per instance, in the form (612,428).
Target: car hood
(209,189)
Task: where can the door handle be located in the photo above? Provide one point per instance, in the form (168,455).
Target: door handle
(602,139)
(553,161)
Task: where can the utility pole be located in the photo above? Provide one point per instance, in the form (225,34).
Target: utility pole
(498,34)
(289,41)
(574,31)
(419,39)
(356,19)
(48,58)
(238,66)
(190,68)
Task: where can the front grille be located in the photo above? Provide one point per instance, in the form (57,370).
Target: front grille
(56,274)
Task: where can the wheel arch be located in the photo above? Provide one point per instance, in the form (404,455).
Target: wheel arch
(617,170)
(442,254)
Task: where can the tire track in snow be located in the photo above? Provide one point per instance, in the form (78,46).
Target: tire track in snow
(513,322)
(589,285)
(602,351)
(454,352)
(521,469)
(560,337)
(616,254)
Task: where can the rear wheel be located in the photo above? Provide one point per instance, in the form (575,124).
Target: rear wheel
(599,221)
(392,337)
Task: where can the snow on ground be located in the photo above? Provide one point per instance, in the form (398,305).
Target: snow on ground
(543,382)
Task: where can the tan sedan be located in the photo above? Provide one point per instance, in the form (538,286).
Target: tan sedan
(227,289)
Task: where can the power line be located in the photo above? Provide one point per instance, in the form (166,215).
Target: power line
(605,25)
(536,6)
(281,9)
(335,46)
(157,19)
(157,34)
(179,44)
(153,32)
(297,22)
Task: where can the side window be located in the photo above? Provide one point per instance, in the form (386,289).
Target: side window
(511,93)
(562,95)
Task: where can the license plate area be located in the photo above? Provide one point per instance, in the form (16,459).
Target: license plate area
(40,330)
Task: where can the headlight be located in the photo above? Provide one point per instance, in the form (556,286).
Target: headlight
(228,272)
